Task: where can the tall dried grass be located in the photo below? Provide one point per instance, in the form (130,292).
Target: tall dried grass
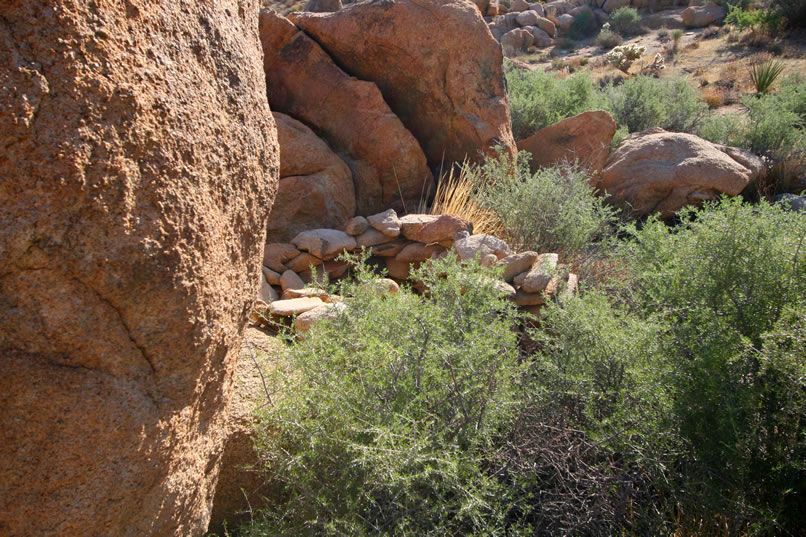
(454,195)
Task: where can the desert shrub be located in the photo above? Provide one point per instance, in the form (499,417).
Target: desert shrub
(726,129)
(593,435)
(584,25)
(644,102)
(625,20)
(607,38)
(793,10)
(389,410)
(774,129)
(539,99)
(729,283)
(552,210)
(759,20)
(793,93)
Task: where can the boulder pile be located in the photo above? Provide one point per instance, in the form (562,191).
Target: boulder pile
(394,105)
(397,244)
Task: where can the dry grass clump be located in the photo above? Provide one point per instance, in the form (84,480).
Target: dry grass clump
(455,196)
(713,97)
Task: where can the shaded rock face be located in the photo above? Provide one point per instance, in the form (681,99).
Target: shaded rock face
(659,171)
(135,180)
(388,165)
(316,186)
(436,63)
(584,138)
(241,483)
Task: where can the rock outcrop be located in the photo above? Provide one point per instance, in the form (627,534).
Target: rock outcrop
(388,165)
(700,16)
(584,138)
(316,186)
(137,174)
(241,483)
(662,172)
(436,64)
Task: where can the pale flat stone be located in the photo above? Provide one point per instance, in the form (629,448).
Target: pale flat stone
(481,245)
(267,293)
(306,320)
(356,226)
(417,251)
(517,263)
(539,276)
(303,261)
(307,292)
(372,237)
(290,280)
(386,222)
(324,243)
(294,306)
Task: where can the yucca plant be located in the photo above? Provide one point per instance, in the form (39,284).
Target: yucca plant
(764,74)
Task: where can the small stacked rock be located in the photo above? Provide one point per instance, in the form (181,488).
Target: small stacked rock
(398,244)
(537,25)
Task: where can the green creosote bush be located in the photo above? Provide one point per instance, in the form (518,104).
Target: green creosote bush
(774,126)
(607,38)
(552,210)
(758,20)
(625,20)
(539,99)
(729,282)
(584,25)
(389,410)
(644,102)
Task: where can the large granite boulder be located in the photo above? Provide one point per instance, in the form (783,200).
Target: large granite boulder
(316,186)
(661,172)
(388,165)
(584,138)
(436,63)
(139,159)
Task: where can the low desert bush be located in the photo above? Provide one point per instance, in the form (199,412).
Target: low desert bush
(607,38)
(584,25)
(390,409)
(729,283)
(552,210)
(539,99)
(644,102)
(626,21)
(758,20)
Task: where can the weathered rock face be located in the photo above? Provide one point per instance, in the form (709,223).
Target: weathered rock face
(241,484)
(436,63)
(316,186)
(387,163)
(584,138)
(659,171)
(135,180)
(700,16)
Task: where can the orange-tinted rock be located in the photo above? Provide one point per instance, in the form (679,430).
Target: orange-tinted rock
(316,186)
(442,228)
(584,138)
(351,115)
(661,172)
(139,161)
(436,63)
